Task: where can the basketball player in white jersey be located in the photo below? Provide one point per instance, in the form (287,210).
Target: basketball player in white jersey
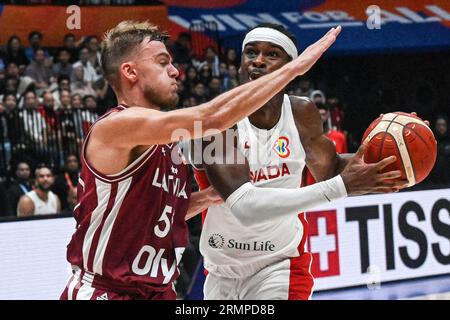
(41,200)
(254,243)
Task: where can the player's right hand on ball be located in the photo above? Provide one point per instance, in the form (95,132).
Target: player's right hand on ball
(309,57)
(361,178)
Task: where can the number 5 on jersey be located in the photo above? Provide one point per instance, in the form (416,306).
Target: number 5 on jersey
(167,222)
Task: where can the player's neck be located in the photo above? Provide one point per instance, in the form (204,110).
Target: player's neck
(269,115)
(135,98)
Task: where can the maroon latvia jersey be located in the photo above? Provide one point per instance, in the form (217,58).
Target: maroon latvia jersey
(131,230)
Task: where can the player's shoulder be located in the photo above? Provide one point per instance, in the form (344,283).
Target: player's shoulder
(304,110)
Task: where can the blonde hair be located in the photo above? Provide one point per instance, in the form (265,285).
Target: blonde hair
(121,41)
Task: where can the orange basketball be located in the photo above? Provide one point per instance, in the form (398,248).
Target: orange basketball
(405,136)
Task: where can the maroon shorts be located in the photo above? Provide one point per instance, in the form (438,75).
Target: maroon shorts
(82,290)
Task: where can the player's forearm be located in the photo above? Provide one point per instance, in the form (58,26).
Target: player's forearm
(250,203)
(229,108)
(199,201)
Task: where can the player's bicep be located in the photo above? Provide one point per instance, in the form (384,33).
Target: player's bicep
(321,158)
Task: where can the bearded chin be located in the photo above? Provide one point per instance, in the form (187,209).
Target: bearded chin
(165,103)
(40,186)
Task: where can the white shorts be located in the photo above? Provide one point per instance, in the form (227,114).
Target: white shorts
(289,279)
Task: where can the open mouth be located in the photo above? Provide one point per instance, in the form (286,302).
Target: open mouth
(255,75)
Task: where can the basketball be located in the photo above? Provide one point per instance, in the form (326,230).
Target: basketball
(405,136)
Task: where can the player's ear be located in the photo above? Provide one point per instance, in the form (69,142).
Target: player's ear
(129,71)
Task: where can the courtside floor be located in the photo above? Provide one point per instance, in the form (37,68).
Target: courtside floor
(431,288)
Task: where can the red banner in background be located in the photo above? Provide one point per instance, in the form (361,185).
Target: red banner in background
(51,21)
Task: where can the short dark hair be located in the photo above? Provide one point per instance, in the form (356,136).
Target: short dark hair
(16,167)
(88,96)
(63,77)
(69,35)
(6,95)
(35,33)
(42,166)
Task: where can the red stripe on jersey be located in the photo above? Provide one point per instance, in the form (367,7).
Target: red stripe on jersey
(203,183)
(301,280)
(95,240)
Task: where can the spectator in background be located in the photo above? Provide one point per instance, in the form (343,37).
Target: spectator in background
(66,183)
(76,101)
(20,186)
(41,200)
(211,60)
(10,102)
(336,113)
(304,88)
(63,67)
(94,53)
(90,103)
(223,70)
(15,53)
(182,49)
(63,84)
(205,75)
(231,80)
(48,102)
(23,82)
(65,100)
(10,86)
(318,97)
(35,39)
(191,78)
(440,175)
(72,46)
(199,93)
(39,70)
(214,88)
(30,100)
(106,97)
(79,83)
(339,139)
(231,58)
(89,73)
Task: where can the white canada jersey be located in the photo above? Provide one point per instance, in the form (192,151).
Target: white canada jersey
(41,207)
(276,158)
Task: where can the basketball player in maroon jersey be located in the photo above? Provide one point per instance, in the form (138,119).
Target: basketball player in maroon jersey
(134,195)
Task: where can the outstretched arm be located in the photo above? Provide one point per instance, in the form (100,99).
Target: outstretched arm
(142,126)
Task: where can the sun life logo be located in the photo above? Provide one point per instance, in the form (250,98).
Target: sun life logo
(281,147)
(216,241)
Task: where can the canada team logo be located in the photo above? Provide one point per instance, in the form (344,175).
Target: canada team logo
(281,147)
(216,241)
